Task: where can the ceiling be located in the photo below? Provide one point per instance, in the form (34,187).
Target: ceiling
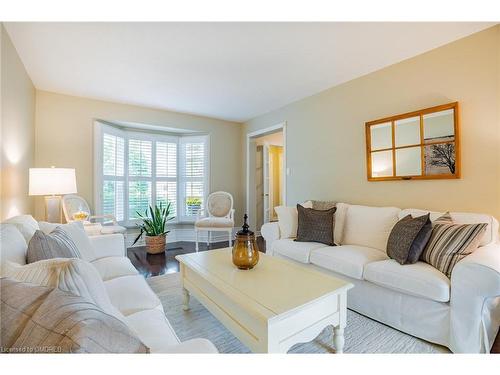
(231,71)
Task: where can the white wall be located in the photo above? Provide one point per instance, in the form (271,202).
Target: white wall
(17,131)
(326,139)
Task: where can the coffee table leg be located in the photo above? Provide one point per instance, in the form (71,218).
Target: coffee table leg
(185,299)
(338,339)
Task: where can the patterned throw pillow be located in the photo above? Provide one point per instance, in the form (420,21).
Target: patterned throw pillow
(315,225)
(408,238)
(323,205)
(40,319)
(450,243)
(444,219)
(57,244)
(75,276)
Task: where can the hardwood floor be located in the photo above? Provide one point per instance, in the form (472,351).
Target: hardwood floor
(159,264)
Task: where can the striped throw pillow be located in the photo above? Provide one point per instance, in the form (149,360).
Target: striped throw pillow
(450,243)
(444,219)
(57,244)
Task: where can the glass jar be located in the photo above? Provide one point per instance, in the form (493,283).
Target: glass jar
(245,249)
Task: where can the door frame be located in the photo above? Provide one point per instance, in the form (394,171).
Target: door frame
(258,133)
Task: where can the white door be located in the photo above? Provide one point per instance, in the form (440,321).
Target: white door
(267,213)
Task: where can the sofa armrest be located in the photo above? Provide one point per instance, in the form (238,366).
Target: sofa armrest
(475,292)
(271,233)
(108,245)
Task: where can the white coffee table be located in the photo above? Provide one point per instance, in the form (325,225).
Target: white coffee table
(271,307)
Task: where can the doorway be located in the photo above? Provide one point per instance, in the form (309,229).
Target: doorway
(266,187)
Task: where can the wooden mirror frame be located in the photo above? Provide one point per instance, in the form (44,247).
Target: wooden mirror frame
(422,144)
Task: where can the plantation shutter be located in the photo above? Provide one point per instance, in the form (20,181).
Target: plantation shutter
(194,175)
(166,174)
(113,175)
(136,169)
(139,176)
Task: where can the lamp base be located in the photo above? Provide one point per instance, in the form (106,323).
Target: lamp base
(53,209)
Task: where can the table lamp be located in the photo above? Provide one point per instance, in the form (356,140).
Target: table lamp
(52,182)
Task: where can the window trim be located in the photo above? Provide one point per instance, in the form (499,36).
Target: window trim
(100,128)
(206,181)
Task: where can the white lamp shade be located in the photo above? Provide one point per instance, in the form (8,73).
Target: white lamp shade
(52,181)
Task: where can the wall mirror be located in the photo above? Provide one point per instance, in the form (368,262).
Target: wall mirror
(422,144)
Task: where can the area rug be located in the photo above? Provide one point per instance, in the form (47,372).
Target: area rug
(362,335)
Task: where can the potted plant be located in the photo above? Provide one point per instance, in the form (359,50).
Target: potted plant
(154,224)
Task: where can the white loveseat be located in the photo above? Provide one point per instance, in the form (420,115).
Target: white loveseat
(462,314)
(126,288)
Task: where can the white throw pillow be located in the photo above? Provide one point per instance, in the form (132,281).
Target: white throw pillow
(288,219)
(12,244)
(26,224)
(67,274)
(369,226)
(77,233)
(338,227)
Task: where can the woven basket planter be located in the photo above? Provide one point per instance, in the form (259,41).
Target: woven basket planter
(156,244)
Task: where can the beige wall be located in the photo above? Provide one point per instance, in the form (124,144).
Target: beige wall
(326,140)
(64,138)
(17,131)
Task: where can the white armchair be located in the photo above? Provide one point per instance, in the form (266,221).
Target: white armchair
(74,203)
(219,216)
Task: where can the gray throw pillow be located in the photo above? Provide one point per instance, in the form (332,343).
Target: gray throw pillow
(323,205)
(419,243)
(315,225)
(39,319)
(56,244)
(402,239)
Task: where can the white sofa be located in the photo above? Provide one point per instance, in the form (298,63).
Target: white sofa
(462,314)
(126,288)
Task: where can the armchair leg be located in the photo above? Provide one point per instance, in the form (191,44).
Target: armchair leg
(230,232)
(208,239)
(196,238)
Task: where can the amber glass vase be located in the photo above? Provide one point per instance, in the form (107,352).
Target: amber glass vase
(245,249)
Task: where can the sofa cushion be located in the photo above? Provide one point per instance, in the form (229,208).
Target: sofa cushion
(26,224)
(369,226)
(131,294)
(112,267)
(12,244)
(153,329)
(298,251)
(349,260)
(490,236)
(214,222)
(419,279)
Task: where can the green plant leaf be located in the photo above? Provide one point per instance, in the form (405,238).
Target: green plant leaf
(154,220)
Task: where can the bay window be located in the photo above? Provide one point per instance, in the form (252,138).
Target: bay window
(135,169)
